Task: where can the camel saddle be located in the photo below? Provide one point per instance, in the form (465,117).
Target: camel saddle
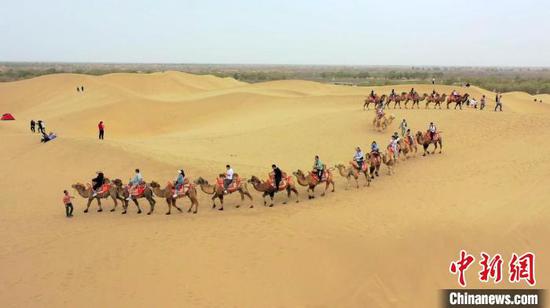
(104,188)
(355,166)
(233,186)
(316,178)
(139,190)
(285,181)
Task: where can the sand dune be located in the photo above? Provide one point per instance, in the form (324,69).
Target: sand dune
(388,245)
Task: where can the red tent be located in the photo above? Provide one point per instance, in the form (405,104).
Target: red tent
(7,116)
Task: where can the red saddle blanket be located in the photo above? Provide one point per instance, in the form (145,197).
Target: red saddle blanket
(355,166)
(104,188)
(285,181)
(233,186)
(139,190)
(316,178)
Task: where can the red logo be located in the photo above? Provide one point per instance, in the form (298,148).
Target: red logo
(521,268)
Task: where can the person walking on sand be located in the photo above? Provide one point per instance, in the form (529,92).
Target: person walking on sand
(68,205)
(82,89)
(101,128)
(404,126)
(498,100)
(33,124)
(41,126)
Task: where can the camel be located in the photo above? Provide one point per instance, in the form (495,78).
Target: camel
(85,191)
(217,191)
(168,194)
(436,100)
(147,194)
(381,124)
(458,100)
(351,171)
(375,101)
(374,163)
(267,188)
(415,98)
(389,162)
(425,141)
(396,99)
(407,146)
(311,182)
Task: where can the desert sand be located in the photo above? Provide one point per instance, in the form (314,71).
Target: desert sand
(388,245)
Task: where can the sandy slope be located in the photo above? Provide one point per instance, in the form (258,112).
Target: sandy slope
(385,246)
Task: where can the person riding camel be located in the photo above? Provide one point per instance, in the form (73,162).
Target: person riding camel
(454,94)
(432,130)
(374,149)
(318,167)
(412,92)
(434,94)
(179,182)
(392,94)
(277,176)
(380,111)
(359,158)
(228,178)
(372,94)
(134,182)
(394,146)
(403,127)
(97,182)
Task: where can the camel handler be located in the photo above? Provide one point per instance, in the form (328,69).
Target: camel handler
(432,130)
(277,175)
(97,182)
(318,167)
(228,178)
(403,127)
(68,205)
(134,182)
(408,138)
(359,158)
(179,182)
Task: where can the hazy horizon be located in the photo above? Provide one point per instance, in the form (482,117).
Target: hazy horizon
(319,33)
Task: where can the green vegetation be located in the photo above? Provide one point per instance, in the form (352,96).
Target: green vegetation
(530,80)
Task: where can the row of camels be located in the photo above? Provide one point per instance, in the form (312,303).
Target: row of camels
(415,98)
(117,191)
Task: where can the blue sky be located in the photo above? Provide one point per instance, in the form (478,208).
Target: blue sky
(399,32)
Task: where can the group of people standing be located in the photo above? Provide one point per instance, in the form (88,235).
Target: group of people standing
(40,127)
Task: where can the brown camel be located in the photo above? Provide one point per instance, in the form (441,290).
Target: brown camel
(375,101)
(217,191)
(458,100)
(381,124)
(311,182)
(407,145)
(396,99)
(415,98)
(268,189)
(425,141)
(352,172)
(374,162)
(389,162)
(85,191)
(147,194)
(168,194)
(437,100)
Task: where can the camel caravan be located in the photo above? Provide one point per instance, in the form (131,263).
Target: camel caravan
(362,165)
(436,99)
